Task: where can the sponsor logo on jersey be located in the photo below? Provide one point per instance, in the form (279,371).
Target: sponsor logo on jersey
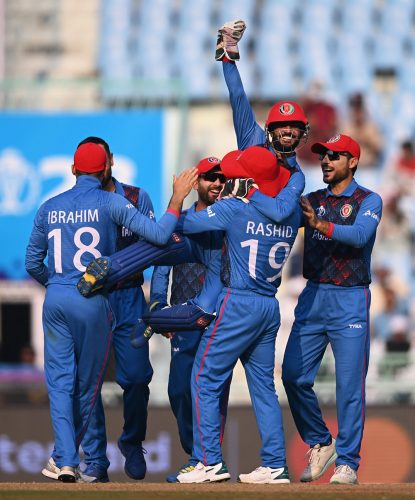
(356,325)
(210,212)
(369,213)
(335,138)
(346,210)
(320,211)
(286,109)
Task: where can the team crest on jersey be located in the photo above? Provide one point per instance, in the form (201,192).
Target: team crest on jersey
(346,210)
(335,138)
(320,211)
(286,109)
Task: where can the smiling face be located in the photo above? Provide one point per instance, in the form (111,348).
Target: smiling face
(337,168)
(209,187)
(285,137)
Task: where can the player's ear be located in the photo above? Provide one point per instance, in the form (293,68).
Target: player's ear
(196,185)
(73,170)
(353,163)
(111,160)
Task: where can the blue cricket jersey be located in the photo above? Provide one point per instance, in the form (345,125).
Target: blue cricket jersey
(204,252)
(343,257)
(80,225)
(256,249)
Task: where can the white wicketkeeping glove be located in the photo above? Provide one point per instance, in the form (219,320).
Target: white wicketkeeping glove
(228,37)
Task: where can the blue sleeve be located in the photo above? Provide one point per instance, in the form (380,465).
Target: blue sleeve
(220,215)
(285,203)
(364,226)
(248,132)
(145,204)
(37,250)
(125,214)
(160,284)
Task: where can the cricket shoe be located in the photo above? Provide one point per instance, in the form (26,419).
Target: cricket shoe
(343,474)
(266,475)
(51,470)
(205,474)
(94,474)
(69,474)
(135,465)
(320,459)
(172,478)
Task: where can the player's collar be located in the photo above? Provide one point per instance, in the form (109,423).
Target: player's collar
(347,192)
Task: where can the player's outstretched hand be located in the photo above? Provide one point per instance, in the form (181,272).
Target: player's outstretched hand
(238,188)
(228,37)
(311,217)
(182,185)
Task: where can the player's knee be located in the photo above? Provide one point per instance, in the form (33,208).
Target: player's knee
(179,391)
(292,377)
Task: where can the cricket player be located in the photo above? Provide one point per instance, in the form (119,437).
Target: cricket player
(340,230)
(69,230)
(246,323)
(133,371)
(187,281)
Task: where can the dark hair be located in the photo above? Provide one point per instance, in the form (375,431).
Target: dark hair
(96,140)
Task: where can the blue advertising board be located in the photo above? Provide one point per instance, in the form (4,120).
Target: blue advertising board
(36,154)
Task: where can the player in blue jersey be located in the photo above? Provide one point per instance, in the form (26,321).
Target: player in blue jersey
(69,229)
(255,252)
(340,230)
(286,127)
(133,371)
(186,282)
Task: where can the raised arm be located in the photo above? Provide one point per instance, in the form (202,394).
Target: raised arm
(158,233)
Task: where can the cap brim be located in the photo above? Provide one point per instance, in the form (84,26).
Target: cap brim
(320,147)
(231,167)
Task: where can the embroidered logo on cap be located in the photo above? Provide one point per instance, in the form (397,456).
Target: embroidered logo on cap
(213,159)
(286,109)
(334,138)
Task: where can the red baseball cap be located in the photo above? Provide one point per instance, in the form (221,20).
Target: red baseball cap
(259,164)
(340,143)
(90,158)
(286,111)
(207,164)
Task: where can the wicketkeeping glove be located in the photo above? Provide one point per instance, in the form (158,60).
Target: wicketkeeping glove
(228,37)
(238,188)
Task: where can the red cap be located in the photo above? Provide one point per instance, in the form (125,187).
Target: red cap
(340,143)
(207,164)
(259,164)
(286,111)
(90,158)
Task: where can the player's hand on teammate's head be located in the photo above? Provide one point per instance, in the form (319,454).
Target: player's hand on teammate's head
(228,37)
(183,183)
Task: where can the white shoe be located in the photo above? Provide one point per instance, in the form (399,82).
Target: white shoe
(320,459)
(205,474)
(343,474)
(266,475)
(69,474)
(51,470)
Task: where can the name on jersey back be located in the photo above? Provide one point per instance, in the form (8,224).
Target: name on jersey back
(76,217)
(268,229)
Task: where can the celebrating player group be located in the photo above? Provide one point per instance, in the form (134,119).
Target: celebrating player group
(224,257)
